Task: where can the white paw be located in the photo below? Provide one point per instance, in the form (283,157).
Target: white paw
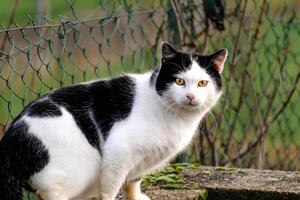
(142,196)
(104,197)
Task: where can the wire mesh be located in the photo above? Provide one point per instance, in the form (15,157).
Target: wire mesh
(257,122)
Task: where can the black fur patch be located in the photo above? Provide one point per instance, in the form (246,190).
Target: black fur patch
(170,67)
(113,101)
(96,106)
(21,155)
(43,108)
(78,100)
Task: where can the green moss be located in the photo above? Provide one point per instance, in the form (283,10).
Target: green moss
(207,172)
(225,170)
(193,166)
(203,196)
(194,186)
(278,178)
(166,179)
(169,178)
(29,196)
(172,186)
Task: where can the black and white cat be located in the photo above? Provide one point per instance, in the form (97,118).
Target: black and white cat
(96,137)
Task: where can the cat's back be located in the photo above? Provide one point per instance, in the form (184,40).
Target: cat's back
(92,106)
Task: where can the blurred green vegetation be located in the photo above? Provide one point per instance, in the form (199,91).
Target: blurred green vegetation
(61,8)
(29,8)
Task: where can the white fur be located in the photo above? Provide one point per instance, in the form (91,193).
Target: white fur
(74,163)
(157,129)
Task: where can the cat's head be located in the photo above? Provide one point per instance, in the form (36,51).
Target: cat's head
(189,81)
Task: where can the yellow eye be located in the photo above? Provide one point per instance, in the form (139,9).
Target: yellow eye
(202,83)
(179,81)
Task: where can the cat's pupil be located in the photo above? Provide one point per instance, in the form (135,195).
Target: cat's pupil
(202,83)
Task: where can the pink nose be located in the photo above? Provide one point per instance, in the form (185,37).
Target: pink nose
(191,97)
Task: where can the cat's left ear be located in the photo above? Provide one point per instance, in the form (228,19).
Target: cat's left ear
(167,50)
(218,59)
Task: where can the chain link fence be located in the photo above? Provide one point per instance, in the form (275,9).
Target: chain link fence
(256,124)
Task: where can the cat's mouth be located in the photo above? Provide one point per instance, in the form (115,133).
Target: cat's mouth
(191,104)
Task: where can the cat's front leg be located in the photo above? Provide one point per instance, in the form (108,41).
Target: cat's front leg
(115,166)
(132,191)
(111,182)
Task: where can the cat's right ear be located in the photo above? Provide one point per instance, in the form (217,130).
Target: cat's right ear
(167,50)
(218,59)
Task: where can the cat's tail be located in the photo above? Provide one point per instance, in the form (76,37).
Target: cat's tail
(21,155)
(10,185)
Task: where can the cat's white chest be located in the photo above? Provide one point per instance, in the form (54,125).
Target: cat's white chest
(151,139)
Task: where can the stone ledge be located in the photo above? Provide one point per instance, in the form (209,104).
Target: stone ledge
(189,181)
(177,194)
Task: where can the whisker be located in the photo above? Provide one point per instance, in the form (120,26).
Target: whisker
(214,121)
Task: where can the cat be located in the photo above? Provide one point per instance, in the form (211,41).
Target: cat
(98,137)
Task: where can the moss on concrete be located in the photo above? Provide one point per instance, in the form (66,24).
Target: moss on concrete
(170,177)
(203,196)
(169,183)
(222,183)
